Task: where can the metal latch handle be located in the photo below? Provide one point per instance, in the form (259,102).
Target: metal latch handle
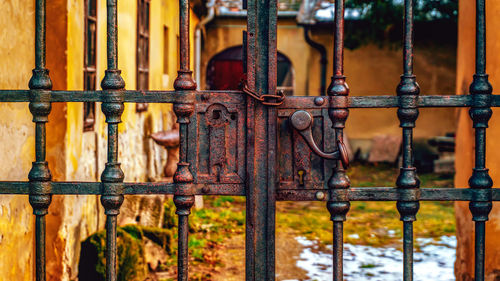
(302,121)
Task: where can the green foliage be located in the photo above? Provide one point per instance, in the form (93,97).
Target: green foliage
(381,20)
(381,14)
(391,11)
(437,9)
(221,201)
(197,246)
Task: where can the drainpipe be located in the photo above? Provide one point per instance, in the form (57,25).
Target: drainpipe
(197,37)
(324,61)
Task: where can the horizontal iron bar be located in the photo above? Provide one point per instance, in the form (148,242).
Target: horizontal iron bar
(290,102)
(89,188)
(101,96)
(423,101)
(389,194)
(386,101)
(352,194)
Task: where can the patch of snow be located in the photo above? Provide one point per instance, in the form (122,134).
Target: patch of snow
(354,236)
(434,261)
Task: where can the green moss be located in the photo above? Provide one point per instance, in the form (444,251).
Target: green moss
(130,252)
(131,263)
(169,217)
(161,236)
(130,256)
(92,259)
(134,230)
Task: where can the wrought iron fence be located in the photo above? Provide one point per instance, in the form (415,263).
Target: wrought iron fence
(253,149)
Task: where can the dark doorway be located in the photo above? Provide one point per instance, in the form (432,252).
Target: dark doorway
(225,71)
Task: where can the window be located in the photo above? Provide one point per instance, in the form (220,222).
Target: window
(89,63)
(142,50)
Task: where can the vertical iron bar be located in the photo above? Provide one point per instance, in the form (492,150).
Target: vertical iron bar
(338,92)
(338,250)
(111,263)
(480,112)
(479,241)
(183,203)
(40,34)
(184,34)
(480,37)
(183,178)
(183,200)
(408,91)
(39,175)
(112,34)
(407,250)
(408,38)
(261,141)
(338,48)
(112,107)
(40,248)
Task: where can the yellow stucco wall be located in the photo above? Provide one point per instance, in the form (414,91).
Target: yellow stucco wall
(370,71)
(464,266)
(16,138)
(71,153)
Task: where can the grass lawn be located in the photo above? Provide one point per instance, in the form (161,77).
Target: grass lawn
(371,223)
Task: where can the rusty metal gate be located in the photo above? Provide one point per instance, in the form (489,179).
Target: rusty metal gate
(260,144)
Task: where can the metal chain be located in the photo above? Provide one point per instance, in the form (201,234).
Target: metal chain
(269,99)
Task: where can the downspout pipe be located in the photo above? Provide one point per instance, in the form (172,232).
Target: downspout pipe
(197,38)
(323,62)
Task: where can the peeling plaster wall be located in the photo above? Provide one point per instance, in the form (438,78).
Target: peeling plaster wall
(16,139)
(74,155)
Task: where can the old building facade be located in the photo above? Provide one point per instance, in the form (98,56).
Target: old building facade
(371,69)
(76,133)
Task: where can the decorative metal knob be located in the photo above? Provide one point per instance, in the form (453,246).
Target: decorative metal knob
(302,121)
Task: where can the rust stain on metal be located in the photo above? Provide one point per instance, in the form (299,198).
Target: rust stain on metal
(257,142)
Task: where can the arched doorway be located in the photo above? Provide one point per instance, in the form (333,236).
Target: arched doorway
(225,71)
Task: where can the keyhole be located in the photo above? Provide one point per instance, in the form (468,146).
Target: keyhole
(216,114)
(301,174)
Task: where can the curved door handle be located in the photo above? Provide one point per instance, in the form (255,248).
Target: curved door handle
(302,121)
